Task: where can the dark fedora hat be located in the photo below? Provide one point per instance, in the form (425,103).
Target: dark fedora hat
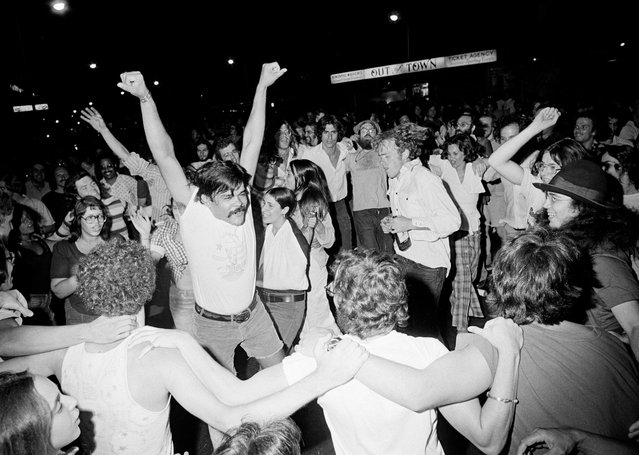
(584,181)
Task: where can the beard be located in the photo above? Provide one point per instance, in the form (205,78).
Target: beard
(366,142)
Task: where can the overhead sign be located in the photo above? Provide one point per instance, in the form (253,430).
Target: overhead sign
(429,64)
(41,107)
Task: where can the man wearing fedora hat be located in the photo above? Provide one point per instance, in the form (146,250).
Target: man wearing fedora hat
(585,202)
(369,183)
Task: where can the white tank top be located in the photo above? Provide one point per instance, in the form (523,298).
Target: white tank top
(111,421)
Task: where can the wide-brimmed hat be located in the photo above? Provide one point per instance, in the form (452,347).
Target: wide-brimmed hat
(584,181)
(363,122)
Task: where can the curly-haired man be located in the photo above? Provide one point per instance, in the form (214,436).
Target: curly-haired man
(423,214)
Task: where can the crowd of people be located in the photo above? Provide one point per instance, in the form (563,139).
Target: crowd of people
(478,265)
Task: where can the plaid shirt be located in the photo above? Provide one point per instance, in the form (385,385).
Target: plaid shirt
(160,195)
(166,240)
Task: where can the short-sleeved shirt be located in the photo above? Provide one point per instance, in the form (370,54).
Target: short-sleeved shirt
(617,284)
(221,257)
(368,179)
(365,423)
(570,375)
(65,257)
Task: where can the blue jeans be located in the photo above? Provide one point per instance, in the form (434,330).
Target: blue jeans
(369,231)
(256,335)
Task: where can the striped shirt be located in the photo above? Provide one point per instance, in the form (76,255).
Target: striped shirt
(160,195)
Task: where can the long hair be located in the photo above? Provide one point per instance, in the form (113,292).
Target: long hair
(18,211)
(596,227)
(81,207)
(25,417)
(309,174)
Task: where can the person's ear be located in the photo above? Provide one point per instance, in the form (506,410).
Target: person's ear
(285,210)
(406,155)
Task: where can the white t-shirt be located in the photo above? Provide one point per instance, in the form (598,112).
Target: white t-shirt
(221,257)
(365,423)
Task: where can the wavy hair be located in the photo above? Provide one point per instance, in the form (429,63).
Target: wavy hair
(307,174)
(25,417)
(280,437)
(81,207)
(370,293)
(597,227)
(540,276)
(408,136)
(116,278)
(330,120)
(466,145)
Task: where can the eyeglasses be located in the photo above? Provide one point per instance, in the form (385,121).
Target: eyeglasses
(370,130)
(92,219)
(330,289)
(462,125)
(608,164)
(550,167)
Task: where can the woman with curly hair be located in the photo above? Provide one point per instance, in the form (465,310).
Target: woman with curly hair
(125,388)
(456,170)
(586,203)
(91,227)
(33,259)
(36,419)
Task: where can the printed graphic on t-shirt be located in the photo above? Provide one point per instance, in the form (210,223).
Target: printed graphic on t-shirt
(231,255)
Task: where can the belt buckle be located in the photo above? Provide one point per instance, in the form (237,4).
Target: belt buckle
(241,317)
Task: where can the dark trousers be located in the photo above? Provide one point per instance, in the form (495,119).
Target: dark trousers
(428,315)
(340,212)
(369,231)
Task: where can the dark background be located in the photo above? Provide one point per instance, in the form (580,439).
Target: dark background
(185,46)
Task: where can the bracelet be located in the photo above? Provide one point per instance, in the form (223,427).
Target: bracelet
(503,400)
(146,97)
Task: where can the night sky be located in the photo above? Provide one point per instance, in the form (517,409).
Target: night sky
(185,45)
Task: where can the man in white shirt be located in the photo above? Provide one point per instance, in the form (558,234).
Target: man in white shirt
(370,301)
(330,154)
(218,233)
(423,216)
